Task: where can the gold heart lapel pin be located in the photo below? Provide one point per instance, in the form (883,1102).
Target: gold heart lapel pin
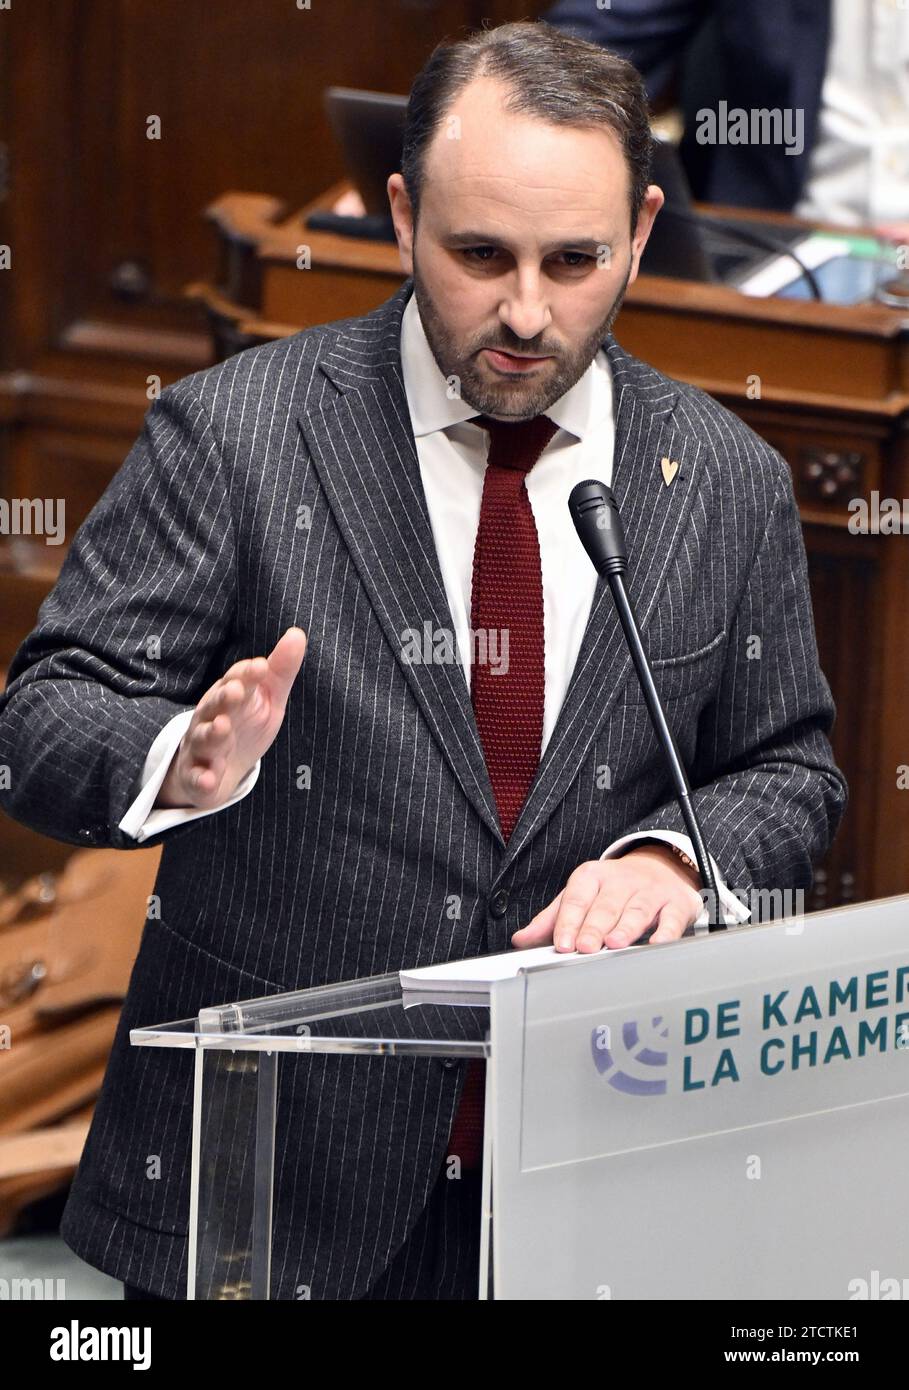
(669,470)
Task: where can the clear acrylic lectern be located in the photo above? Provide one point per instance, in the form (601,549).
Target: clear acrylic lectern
(722,1116)
(237,1049)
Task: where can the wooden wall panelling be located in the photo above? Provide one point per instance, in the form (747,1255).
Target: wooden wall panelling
(107,227)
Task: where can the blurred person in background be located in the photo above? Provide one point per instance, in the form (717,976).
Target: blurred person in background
(843,63)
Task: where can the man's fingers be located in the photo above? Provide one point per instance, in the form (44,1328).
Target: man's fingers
(203,779)
(599,920)
(243,670)
(639,912)
(538,930)
(615,924)
(282,664)
(673,923)
(287,655)
(233,693)
(252,677)
(578,896)
(204,750)
(241,681)
(210,736)
(229,693)
(590,913)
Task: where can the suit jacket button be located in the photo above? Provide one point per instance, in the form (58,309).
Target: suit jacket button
(498,903)
(448,1063)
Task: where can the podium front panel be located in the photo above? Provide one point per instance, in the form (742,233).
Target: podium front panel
(718,1117)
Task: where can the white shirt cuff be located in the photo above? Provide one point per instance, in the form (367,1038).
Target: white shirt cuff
(734,910)
(140,820)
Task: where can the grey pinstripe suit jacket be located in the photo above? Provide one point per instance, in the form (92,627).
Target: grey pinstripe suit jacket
(200,542)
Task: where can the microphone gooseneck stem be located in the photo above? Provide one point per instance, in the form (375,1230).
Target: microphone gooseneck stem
(666,739)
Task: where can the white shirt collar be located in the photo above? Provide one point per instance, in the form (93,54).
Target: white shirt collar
(432,408)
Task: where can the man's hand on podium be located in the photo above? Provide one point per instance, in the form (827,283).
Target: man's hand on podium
(234,723)
(612,902)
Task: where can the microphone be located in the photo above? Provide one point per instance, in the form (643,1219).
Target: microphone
(595,514)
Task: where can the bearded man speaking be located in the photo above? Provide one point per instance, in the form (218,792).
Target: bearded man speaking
(327,497)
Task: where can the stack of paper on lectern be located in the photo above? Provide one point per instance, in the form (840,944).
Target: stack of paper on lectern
(477,973)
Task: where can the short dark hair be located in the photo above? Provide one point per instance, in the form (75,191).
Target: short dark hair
(552,75)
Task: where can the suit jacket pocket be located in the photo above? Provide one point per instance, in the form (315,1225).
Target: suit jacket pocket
(677,676)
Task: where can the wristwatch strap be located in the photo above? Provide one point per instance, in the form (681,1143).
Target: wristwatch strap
(679,853)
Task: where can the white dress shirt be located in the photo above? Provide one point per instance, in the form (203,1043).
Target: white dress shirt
(452,451)
(859,168)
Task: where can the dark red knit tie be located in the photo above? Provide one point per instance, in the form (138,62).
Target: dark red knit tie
(506,601)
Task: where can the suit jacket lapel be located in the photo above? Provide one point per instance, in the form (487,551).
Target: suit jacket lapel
(363,448)
(653,516)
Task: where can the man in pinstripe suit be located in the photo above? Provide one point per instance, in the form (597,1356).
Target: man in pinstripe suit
(321,496)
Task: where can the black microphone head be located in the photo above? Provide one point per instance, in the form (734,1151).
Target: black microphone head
(595,514)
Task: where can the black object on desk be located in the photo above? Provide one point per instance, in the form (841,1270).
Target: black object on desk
(371,227)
